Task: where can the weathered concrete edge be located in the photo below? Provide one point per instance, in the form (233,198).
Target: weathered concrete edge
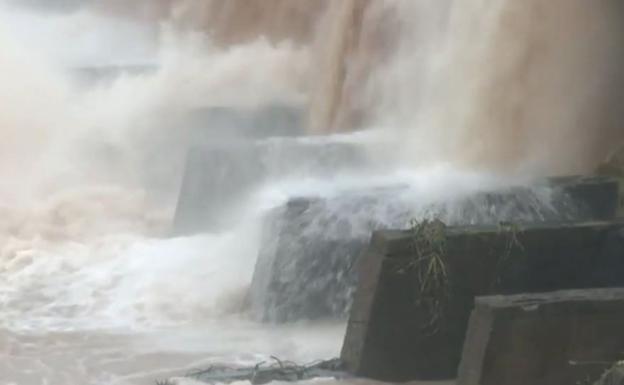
(364,301)
(394,240)
(500,310)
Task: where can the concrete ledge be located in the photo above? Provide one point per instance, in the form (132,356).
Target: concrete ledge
(309,245)
(557,338)
(219,177)
(384,339)
(599,197)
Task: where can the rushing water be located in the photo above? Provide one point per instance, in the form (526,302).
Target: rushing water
(95,104)
(130,308)
(120,305)
(116,306)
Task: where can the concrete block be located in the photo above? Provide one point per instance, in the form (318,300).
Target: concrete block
(386,338)
(596,197)
(306,265)
(557,338)
(219,177)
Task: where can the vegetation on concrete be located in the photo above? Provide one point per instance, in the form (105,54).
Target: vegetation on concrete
(429,265)
(433,284)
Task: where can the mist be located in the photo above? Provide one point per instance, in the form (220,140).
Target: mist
(98,110)
(531,87)
(526,89)
(490,86)
(59,135)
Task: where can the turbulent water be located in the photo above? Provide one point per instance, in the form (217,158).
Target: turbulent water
(95,104)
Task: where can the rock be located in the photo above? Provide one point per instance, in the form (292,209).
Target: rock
(557,338)
(389,337)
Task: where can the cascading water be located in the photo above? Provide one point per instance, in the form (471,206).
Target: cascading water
(100,101)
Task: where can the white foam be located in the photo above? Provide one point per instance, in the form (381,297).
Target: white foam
(127,282)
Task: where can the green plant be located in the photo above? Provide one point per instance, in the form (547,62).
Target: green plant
(428,264)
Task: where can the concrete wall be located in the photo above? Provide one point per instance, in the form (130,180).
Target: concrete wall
(558,338)
(385,340)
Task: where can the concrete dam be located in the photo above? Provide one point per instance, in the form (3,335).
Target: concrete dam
(327,191)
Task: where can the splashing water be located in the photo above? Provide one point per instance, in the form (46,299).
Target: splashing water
(91,292)
(94,106)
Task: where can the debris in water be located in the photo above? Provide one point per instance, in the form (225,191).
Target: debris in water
(263,373)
